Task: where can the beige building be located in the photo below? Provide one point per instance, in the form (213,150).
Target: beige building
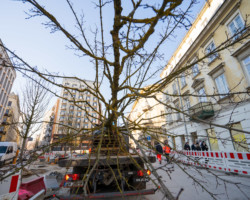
(215,89)
(7,77)
(76,110)
(10,125)
(147,115)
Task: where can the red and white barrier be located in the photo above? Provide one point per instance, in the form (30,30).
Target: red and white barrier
(225,161)
(34,188)
(9,187)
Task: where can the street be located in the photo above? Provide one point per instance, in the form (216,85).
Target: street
(214,183)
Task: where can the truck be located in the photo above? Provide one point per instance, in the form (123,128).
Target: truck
(109,170)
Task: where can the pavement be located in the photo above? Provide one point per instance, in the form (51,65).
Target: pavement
(198,183)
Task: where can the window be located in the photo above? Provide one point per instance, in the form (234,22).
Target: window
(78,125)
(236,25)
(169,116)
(174,88)
(178,114)
(71,113)
(78,119)
(246,64)
(74,85)
(79,114)
(221,85)
(186,103)
(61,118)
(211,48)
(66,84)
(168,98)
(79,108)
(86,126)
(63,106)
(62,112)
(7,111)
(195,70)
(94,114)
(9,103)
(95,104)
(71,107)
(87,98)
(70,123)
(85,119)
(183,80)
(202,95)
(95,99)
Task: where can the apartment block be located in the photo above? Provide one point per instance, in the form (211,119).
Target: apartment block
(9,129)
(78,111)
(214,90)
(7,77)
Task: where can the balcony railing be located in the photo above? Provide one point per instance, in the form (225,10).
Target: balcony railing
(2,132)
(202,110)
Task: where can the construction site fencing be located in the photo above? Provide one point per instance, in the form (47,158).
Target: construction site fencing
(236,162)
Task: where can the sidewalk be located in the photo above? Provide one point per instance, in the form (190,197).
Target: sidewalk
(192,190)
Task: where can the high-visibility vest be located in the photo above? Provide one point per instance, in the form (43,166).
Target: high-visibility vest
(166,149)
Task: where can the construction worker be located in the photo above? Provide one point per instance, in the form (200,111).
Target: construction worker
(159,150)
(167,150)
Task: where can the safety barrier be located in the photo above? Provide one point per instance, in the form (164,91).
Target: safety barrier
(9,187)
(237,162)
(32,188)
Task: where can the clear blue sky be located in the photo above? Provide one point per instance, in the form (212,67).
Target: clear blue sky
(35,44)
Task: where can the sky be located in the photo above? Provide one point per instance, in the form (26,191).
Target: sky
(36,45)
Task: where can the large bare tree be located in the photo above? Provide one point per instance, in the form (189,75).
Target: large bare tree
(124,57)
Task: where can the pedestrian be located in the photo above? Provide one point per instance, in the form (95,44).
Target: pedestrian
(186,146)
(204,146)
(167,150)
(159,151)
(193,147)
(197,146)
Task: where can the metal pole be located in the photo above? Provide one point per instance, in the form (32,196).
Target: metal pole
(179,91)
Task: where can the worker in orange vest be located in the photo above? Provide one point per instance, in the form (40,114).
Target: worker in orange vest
(167,150)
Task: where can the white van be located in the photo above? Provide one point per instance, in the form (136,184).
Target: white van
(7,152)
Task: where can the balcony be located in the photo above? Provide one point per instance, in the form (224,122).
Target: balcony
(202,110)
(2,132)
(7,114)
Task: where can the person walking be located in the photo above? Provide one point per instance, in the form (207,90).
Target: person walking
(167,150)
(204,146)
(187,147)
(159,151)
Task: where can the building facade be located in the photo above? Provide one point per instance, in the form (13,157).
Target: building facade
(10,120)
(78,111)
(147,116)
(209,97)
(7,77)
(47,127)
